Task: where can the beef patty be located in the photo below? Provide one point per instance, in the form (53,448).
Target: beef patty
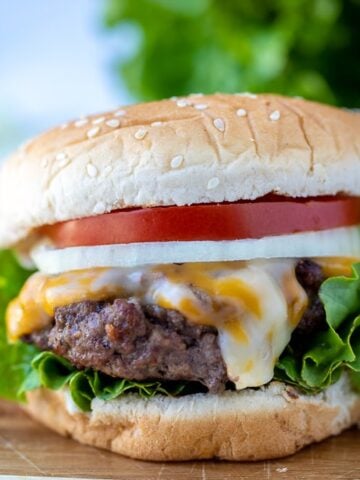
(310,276)
(125,339)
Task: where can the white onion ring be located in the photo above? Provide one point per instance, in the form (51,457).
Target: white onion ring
(343,242)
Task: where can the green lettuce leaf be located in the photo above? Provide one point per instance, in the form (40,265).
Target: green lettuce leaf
(14,359)
(330,351)
(53,372)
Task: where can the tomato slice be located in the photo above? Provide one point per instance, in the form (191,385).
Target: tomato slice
(268,216)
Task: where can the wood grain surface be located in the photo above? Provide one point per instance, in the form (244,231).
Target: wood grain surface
(29,450)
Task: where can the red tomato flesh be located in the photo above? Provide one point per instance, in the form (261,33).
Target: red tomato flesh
(268,216)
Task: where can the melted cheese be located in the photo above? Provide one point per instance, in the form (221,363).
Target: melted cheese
(336,266)
(254,305)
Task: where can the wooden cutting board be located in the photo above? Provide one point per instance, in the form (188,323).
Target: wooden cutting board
(27,450)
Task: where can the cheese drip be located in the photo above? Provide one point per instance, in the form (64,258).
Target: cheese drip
(254,305)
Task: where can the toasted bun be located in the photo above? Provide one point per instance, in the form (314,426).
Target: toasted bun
(250,425)
(177,152)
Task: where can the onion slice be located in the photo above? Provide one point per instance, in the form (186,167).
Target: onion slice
(343,242)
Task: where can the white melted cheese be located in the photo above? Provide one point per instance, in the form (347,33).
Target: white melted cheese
(253,364)
(254,305)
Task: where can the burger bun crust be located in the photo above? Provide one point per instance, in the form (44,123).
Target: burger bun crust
(271,422)
(185,151)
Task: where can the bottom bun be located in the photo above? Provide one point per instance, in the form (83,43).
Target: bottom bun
(270,422)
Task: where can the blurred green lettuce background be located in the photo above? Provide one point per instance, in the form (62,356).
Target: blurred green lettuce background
(296,47)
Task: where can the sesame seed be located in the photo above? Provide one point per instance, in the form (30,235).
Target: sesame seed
(177,161)
(99,208)
(93,132)
(282,469)
(62,159)
(275,115)
(156,124)
(120,113)
(201,106)
(81,122)
(246,94)
(63,162)
(183,102)
(64,125)
(241,112)
(98,120)
(114,123)
(213,183)
(219,124)
(92,171)
(60,156)
(140,134)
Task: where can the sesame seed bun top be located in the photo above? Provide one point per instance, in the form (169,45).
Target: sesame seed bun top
(181,151)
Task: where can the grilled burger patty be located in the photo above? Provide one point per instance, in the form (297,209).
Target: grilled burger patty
(125,339)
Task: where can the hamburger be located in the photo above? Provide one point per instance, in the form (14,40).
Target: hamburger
(197,284)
